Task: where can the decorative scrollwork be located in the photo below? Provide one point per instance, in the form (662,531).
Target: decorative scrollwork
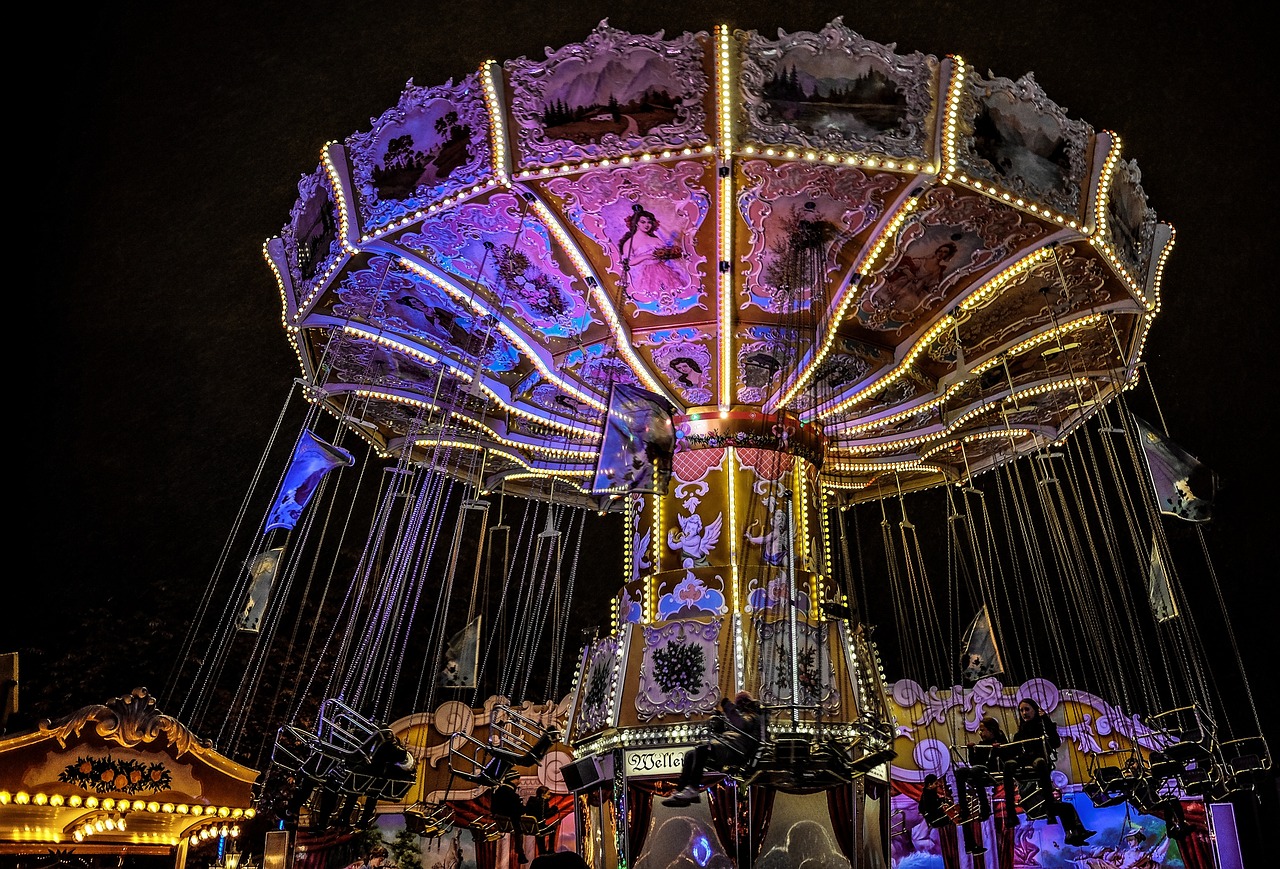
(129,720)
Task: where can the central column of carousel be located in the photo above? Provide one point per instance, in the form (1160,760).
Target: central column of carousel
(729,589)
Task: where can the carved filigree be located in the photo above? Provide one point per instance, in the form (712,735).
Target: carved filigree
(1014,136)
(836,58)
(311,241)
(457,154)
(1131,222)
(129,720)
(612,64)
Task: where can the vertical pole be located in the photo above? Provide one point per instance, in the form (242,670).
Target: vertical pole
(791,610)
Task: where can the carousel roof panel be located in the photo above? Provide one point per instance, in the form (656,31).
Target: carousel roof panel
(888,244)
(614,94)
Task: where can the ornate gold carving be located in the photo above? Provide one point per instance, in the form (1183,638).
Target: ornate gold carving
(129,720)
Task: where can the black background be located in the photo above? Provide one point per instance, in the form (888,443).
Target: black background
(159,145)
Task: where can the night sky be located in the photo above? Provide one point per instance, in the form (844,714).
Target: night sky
(164,145)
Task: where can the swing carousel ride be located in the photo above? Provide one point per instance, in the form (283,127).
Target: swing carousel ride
(733,292)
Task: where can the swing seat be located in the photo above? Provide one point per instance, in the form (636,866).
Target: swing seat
(519,740)
(1024,753)
(1034,799)
(471,759)
(346,732)
(869,760)
(936,823)
(1117,775)
(742,767)
(1190,734)
(387,789)
(1162,767)
(982,760)
(1199,779)
(1248,759)
(430,820)
(531,825)
(974,809)
(1101,797)
(897,823)
(791,751)
(486,830)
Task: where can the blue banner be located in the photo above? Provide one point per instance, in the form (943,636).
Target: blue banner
(312,459)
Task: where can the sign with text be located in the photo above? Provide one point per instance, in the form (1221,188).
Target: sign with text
(655,761)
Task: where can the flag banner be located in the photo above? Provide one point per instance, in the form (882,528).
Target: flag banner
(1159,591)
(312,459)
(262,573)
(1183,486)
(981,655)
(639,441)
(462,657)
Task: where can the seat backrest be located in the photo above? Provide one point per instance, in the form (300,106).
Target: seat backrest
(982,755)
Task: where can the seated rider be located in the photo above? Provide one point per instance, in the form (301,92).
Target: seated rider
(736,743)
(384,755)
(981,764)
(1036,724)
(972,781)
(506,804)
(934,801)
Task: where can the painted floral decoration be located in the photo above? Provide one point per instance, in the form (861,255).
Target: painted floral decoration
(679,666)
(108,775)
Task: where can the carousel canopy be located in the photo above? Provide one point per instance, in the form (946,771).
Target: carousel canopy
(939,269)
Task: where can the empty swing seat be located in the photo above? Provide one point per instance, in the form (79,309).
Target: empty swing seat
(1101,797)
(1248,760)
(1199,779)
(1191,734)
(1162,767)
(430,820)
(1117,772)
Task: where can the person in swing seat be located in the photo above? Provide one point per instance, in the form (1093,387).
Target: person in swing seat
(735,743)
(1035,725)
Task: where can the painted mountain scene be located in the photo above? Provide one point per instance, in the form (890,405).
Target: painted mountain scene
(625,95)
(819,93)
(616,91)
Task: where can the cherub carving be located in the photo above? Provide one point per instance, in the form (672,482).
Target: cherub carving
(694,541)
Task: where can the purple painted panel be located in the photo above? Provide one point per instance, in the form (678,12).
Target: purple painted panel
(616,93)
(644,219)
(501,245)
(434,142)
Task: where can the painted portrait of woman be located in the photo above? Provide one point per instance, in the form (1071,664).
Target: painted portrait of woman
(652,271)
